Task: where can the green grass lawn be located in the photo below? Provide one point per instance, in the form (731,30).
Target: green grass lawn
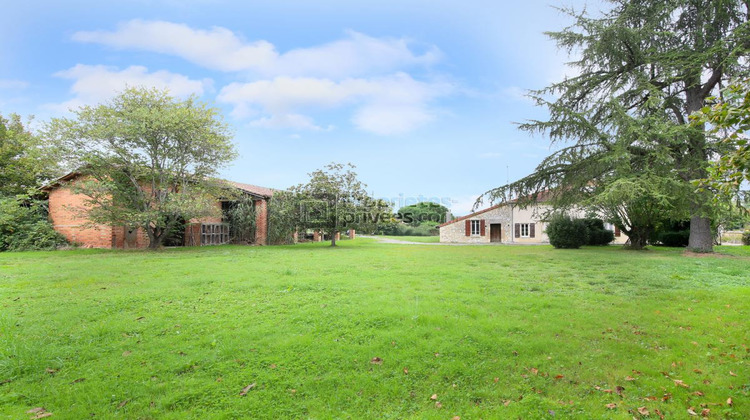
(426,239)
(371,330)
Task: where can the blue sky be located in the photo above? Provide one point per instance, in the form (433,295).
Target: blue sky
(421,96)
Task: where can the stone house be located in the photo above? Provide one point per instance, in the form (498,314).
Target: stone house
(505,223)
(67,215)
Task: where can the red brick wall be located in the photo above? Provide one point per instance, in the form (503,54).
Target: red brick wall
(261,222)
(67,214)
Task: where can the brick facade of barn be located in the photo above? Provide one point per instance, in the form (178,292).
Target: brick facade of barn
(67,212)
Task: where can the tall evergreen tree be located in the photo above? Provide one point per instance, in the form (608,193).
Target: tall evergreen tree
(641,59)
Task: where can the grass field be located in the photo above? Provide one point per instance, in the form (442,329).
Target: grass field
(372,330)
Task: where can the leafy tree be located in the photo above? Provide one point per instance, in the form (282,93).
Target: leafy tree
(335,200)
(24,226)
(729,119)
(283,217)
(150,159)
(651,59)
(425,211)
(24,162)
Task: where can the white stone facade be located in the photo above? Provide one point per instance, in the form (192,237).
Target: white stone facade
(503,223)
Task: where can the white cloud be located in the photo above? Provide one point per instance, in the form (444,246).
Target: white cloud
(94,84)
(13,84)
(221,49)
(296,121)
(384,105)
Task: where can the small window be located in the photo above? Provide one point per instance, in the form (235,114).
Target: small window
(475,227)
(524,230)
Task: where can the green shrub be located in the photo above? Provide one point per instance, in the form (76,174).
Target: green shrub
(564,232)
(596,233)
(24,226)
(675,238)
(746,237)
(600,237)
(427,228)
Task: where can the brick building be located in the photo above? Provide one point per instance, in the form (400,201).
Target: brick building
(67,214)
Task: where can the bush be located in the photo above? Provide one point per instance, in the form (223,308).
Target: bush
(675,238)
(600,237)
(596,233)
(24,226)
(564,232)
(746,237)
(402,229)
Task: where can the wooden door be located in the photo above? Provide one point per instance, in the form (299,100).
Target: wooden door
(495,232)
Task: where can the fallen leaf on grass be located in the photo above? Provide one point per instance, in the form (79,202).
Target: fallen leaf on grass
(698,394)
(559,377)
(535,371)
(126,353)
(705,412)
(619,390)
(666,397)
(36,410)
(658,413)
(629,378)
(273,366)
(438,404)
(123,404)
(680,383)
(247,389)
(691,411)
(41,416)
(730,402)
(506,403)
(433,397)
(376,361)
(140,318)
(608,391)
(611,406)
(406,371)
(643,411)
(496,379)
(456,418)
(698,371)
(50,371)
(78,380)
(732,373)
(650,398)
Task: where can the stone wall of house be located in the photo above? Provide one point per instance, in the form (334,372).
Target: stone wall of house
(508,217)
(456,231)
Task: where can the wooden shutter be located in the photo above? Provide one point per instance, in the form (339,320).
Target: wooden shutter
(468,227)
(617,232)
(481,228)
(531,229)
(518,230)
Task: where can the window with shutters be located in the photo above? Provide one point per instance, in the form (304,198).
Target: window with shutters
(524,230)
(475,227)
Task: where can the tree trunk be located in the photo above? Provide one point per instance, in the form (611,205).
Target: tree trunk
(333,238)
(155,237)
(638,238)
(701,237)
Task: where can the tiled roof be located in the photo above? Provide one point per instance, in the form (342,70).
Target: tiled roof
(248,188)
(541,197)
(252,189)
